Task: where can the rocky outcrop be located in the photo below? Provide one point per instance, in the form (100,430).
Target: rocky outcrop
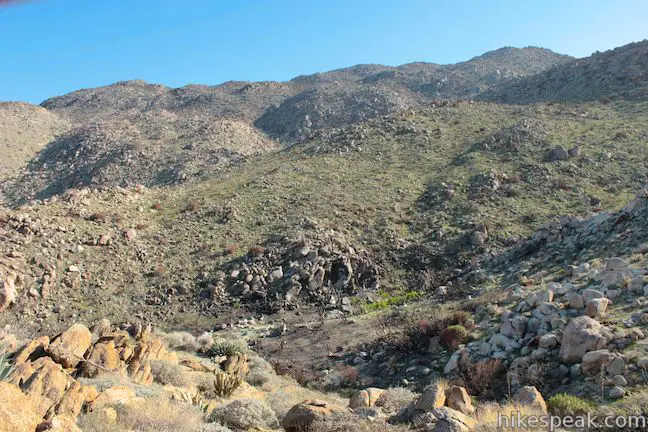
(17,410)
(317,266)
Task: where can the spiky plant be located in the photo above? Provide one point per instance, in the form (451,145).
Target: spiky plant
(6,366)
(226,348)
(225,384)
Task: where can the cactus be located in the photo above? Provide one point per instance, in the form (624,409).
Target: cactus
(225,384)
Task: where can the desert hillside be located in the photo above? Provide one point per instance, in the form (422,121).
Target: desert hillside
(374,248)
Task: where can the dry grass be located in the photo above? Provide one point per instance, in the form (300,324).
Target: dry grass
(347,422)
(180,341)
(488,414)
(154,415)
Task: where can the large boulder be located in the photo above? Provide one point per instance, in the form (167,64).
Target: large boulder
(582,334)
(432,397)
(594,361)
(458,399)
(103,358)
(17,411)
(444,419)
(44,381)
(365,398)
(530,396)
(303,415)
(69,347)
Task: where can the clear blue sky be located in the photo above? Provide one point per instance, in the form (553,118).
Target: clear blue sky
(51,47)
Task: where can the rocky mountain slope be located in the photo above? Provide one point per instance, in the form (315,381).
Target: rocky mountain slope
(134,132)
(24,131)
(431,260)
(620,72)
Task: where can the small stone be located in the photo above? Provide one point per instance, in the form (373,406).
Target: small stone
(619,380)
(597,307)
(130,234)
(616,392)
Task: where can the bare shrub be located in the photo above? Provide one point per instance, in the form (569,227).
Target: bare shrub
(168,373)
(153,415)
(180,341)
(486,379)
(245,414)
(256,251)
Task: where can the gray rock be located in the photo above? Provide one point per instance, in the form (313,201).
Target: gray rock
(582,334)
(616,392)
(558,153)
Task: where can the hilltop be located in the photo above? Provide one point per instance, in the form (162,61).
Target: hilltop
(617,73)
(134,132)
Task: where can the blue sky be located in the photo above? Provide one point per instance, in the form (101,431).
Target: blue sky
(51,47)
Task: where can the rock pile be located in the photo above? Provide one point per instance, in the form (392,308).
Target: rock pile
(317,266)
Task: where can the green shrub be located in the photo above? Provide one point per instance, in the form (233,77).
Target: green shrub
(226,348)
(564,404)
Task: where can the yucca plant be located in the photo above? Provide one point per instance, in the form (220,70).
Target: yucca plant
(194,399)
(226,348)
(6,366)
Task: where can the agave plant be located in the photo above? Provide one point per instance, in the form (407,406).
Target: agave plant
(5,364)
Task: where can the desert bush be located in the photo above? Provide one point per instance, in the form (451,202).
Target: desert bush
(349,375)
(193,205)
(259,378)
(153,415)
(261,372)
(204,342)
(564,404)
(230,249)
(245,414)
(180,341)
(453,336)
(99,217)
(394,400)
(167,373)
(256,251)
(486,379)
